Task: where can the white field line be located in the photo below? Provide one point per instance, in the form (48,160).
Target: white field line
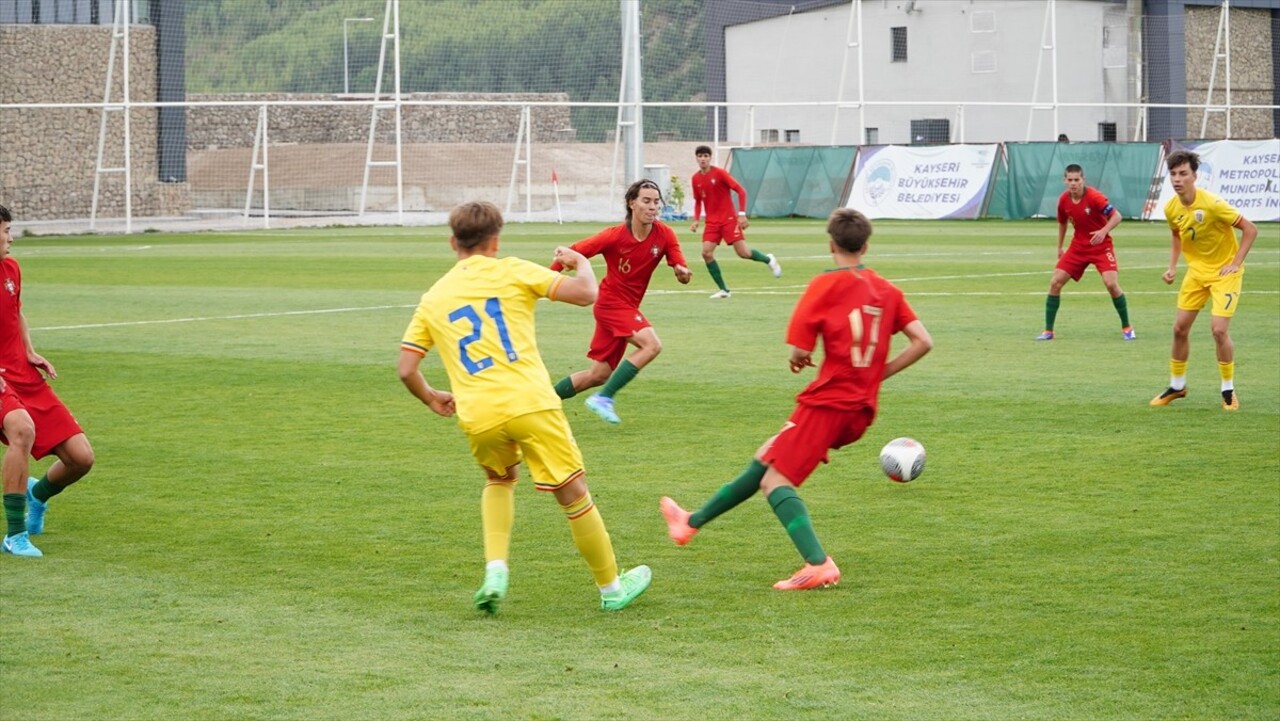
(774,290)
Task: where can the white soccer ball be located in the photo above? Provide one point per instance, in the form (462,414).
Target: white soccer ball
(902,459)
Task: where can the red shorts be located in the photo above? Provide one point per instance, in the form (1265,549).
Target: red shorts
(613,327)
(54,423)
(1102,256)
(806,437)
(722,231)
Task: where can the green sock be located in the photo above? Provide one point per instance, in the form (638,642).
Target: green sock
(789,509)
(759,257)
(622,375)
(1051,304)
(714,269)
(564,388)
(1122,307)
(15,506)
(730,494)
(45,489)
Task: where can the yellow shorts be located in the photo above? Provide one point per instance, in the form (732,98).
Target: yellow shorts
(1198,287)
(542,439)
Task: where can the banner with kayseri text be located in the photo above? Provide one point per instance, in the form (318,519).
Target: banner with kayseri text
(1245,173)
(922,182)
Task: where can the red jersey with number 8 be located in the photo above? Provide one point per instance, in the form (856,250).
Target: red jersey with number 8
(855,312)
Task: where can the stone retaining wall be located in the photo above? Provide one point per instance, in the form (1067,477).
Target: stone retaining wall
(347,121)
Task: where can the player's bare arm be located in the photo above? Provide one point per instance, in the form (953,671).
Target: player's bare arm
(1248,233)
(800,359)
(742,220)
(919,343)
(580,289)
(1112,221)
(1172,272)
(441,402)
(1062,234)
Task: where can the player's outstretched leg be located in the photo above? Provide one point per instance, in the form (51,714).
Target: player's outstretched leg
(493,590)
(35,510)
(631,585)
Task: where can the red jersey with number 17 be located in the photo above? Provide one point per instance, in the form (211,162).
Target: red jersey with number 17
(856,313)
(629,261)
(1088,215)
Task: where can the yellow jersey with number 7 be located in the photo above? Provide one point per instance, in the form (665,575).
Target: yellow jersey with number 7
(1206,228)
(480,317)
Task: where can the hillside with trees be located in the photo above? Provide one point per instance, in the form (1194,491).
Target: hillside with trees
(490,46)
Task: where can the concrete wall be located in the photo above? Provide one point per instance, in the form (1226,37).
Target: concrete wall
(1252,79)
(47,157)
(233,126)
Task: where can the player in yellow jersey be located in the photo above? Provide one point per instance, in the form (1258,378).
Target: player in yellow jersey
(480,316)
(1203,228)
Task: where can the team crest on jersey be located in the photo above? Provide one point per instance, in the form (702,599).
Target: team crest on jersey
(639,318)
(653,250)
(1199,216)
(10,286)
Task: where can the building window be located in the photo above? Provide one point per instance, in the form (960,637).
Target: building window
(793,136)
(873,136)
(983,61)
(1107,132)
(768,136)
(982,21)
(931,131)
(898,42)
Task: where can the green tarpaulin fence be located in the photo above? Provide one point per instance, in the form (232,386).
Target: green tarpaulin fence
(1029,180)
(782,182)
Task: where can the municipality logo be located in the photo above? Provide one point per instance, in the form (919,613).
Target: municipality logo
(880,179)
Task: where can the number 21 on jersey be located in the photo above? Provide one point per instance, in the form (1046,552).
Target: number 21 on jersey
(492,309)
(863,348)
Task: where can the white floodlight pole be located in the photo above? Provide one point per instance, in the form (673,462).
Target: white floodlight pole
(633,124)
(346,56)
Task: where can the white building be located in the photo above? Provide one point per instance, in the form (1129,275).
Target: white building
(930,71)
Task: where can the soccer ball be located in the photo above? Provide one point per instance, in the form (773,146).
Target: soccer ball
(902,459)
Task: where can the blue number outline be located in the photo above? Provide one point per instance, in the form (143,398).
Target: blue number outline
(493,309)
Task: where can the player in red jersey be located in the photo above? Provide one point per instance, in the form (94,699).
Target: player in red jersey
(631,252)
(711,186)
(856,313)
(1093,218)
(33,421)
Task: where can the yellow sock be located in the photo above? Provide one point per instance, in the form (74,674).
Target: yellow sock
(592,539)
(1228,373)
(498,515)
(1177,374)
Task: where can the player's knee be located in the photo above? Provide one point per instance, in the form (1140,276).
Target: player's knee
(20,432)
(708,256)
(1221,334)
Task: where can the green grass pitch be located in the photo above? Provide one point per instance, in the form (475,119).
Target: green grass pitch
(275,529)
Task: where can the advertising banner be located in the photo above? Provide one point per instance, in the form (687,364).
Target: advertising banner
(927,182)
(1245,173)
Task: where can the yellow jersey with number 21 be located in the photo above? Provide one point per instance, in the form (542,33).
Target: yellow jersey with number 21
(1206,228)
(480,316)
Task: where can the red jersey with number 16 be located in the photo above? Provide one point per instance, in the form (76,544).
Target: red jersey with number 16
(629,262)
(856,313)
